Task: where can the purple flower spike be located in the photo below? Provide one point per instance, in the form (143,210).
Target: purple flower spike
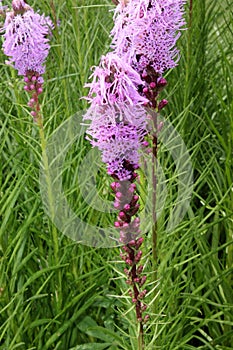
(25,38)
(146,31)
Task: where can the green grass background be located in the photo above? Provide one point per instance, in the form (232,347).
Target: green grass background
(57,294)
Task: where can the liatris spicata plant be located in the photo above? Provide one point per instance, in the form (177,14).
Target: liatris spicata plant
(124,102)
(118,126)
(26,44)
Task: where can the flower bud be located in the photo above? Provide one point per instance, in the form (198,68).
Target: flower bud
(162,104)
(33,113)
(143,280)
(161,82)
(117,224)
(127,207)
(138,256)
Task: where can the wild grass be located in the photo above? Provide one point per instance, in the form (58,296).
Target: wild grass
(77,298)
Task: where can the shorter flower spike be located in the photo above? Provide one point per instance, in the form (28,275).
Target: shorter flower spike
(26,44)
(25,38)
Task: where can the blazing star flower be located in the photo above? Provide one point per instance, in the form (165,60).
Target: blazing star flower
(117,114)
(146,31)
(115,82)
(118,132)
(119,145)
(25,39)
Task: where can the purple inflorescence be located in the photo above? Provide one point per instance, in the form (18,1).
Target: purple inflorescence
(115,82)
(119,144)
(25,38)
(145,33)
(129,78)
(125,88)
(117,114)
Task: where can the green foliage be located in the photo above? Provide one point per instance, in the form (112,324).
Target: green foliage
(76,298)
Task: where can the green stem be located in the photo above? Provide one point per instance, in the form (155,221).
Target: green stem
(58,294)
(140,338)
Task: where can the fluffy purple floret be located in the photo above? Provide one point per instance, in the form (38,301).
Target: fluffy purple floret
(118,131)
(115,82)
(25,41)
(146,31)
(119,145)
(118,119)
(114,114)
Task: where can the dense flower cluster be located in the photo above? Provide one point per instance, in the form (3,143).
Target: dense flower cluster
(25,38)
(129,78)
(119,145)
(117,114)
(145,33)
(26,44)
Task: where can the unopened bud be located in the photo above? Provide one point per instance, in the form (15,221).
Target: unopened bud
(33,113)
(145,143)
(143,280)
(116,205)
(117,224)
(161,82)
(138,256)
(118,195)
(129,262)
(139,242)
(139,269)
(162,104)
(144,307)
(127,207)
(132,243)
